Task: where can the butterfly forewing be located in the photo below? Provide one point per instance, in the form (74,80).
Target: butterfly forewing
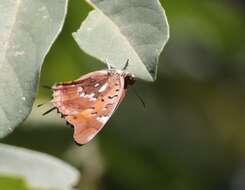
(88,103)
(75,96)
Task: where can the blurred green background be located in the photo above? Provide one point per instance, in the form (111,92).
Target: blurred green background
(190,136)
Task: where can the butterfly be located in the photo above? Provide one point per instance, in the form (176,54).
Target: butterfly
(88,102)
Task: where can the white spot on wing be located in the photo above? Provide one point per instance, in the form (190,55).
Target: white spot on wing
(92,99)
(103,118)
(90,137)
(82,94)
(103,88)
(91,95)
(80,89)
(96,85)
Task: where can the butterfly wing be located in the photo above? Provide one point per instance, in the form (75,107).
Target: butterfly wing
(89,102)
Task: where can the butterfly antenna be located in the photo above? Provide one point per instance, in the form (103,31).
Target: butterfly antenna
(126,65)
(139,97)
(50,110)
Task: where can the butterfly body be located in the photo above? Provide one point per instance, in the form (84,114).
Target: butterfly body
(89,102)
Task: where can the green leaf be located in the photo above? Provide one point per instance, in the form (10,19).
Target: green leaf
(130,29)
(12,183)
(38,169)
(27,30)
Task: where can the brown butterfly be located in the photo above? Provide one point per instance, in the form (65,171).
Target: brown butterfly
(88,103)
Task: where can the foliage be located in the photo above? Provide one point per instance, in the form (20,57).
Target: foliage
(39,170)
(28,29)
(27,33)
(190,136)
(12,183)
(127,30)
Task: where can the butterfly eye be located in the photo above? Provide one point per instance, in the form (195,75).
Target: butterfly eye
(129,80)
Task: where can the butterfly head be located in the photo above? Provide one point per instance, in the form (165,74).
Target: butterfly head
(129,79)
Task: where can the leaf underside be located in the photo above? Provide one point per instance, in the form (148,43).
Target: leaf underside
(130,29)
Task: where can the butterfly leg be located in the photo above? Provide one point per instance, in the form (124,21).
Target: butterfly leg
(50,110)
(126,65)
(108,65)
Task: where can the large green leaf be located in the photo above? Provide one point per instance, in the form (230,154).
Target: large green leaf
(129,29)
(27,30)
(38,169)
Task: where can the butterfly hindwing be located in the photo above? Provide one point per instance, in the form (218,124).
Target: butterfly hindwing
(89,102)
